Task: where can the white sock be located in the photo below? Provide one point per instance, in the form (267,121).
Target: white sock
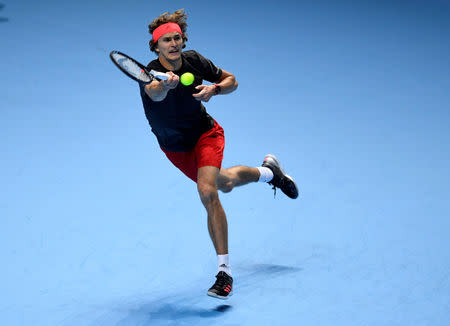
(266,174)
(224,264)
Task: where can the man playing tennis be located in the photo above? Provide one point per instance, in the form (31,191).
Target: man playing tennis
(191,139)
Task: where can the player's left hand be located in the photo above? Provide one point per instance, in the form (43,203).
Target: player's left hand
(206,92)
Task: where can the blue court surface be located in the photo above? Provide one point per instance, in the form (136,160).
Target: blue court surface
(98,228)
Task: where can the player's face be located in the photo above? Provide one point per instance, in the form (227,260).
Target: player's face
(170,45)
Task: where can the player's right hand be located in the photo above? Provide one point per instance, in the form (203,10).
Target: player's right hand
(172,81)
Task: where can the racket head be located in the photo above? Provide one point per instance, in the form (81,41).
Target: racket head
(131,67)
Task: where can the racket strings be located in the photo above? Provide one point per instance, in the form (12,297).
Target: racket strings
(132,68)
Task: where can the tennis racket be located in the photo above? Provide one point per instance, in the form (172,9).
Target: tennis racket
(134,69)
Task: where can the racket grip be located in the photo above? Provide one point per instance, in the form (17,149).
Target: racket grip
(159,75)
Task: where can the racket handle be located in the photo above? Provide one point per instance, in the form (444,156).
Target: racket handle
(159,75)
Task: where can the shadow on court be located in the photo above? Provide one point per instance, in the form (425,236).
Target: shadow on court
(266,270)
(3,19)
(176,313)
(183,309)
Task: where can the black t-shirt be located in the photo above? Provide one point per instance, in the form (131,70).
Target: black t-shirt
(179,120)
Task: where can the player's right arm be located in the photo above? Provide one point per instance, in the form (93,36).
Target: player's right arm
(157,89)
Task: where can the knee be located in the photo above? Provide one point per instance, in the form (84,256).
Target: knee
(208,193)
(226,186)
(225,183)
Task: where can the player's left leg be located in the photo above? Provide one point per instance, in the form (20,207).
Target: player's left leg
(236,176)
(271,172)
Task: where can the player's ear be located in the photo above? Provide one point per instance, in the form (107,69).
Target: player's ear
(150,46)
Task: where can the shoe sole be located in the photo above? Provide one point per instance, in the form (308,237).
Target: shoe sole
(277,163)
(211,294)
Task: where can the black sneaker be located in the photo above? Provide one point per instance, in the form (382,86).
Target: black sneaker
(280,178)
(223,288)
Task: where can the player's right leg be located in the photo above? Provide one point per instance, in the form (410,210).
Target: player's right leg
(218,230)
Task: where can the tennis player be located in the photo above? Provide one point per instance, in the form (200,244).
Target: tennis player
(191,139)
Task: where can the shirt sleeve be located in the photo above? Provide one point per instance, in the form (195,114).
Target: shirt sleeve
(210,71)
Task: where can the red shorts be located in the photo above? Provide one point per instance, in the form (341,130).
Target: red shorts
(207,152)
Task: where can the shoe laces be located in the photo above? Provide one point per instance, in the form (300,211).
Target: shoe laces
(274,190)
(221,281)
(280,185)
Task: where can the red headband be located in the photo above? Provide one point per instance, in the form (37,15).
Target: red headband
(164,29)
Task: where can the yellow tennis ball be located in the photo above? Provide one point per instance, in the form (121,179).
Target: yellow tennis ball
(187,78)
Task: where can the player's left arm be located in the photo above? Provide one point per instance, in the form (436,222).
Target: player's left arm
(227,84)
